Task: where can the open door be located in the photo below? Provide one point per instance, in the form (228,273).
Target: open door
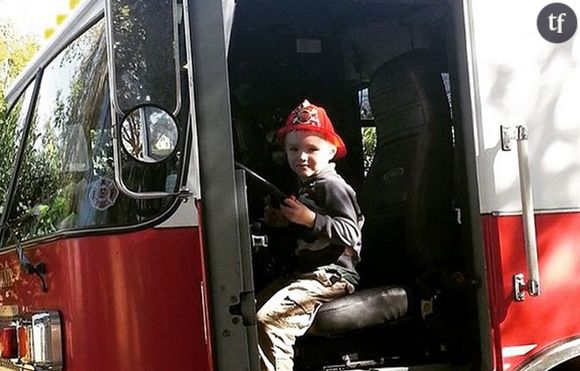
(223,205)
(524,60)
(389,72)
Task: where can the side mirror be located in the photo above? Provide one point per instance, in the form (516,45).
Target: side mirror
(144,83)
(143,54)
(149,134)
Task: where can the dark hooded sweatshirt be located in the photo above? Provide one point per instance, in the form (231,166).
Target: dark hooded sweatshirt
(334,243)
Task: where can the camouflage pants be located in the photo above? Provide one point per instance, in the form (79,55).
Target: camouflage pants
(289,313)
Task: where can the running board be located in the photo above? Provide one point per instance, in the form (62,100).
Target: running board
(372,366)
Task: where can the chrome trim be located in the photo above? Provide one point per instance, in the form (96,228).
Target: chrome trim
(43,333)
(507,138)
(204,313)
(192,128)
(531,245)
(552,356)
(176,12)
(46,329)
(520,134)
(111,63)
(519,283)
(473,72)
(564,210)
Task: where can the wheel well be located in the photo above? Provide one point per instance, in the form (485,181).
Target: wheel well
(569,365)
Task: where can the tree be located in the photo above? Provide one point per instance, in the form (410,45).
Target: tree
(15,51)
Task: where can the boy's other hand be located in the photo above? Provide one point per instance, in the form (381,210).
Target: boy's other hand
(274,217)
(297,212)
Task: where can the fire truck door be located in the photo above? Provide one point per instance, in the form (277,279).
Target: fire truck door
(524,61)
(224,209)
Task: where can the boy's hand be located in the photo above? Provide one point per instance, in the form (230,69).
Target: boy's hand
(297,212)
(274,217)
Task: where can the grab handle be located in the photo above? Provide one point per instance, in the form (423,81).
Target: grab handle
(520,134)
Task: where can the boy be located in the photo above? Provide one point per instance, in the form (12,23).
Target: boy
(329,242)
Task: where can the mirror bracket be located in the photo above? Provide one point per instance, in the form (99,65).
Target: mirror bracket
(184,193)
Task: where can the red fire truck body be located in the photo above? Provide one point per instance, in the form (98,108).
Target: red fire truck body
(93,325)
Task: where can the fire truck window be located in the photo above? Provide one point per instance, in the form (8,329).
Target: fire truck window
(366,114)
(10,137)
(369,144)
(368,130)
(67,177)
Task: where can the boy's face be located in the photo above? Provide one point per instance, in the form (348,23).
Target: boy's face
(307,152)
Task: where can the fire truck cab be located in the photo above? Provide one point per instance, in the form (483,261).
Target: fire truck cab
(470,217)
(131,232)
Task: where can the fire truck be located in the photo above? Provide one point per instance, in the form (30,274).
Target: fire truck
(141,147)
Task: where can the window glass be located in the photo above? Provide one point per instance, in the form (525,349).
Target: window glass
(369,144)
(368,131)
(67,178)
(366,114)
(10,138)
(145,59)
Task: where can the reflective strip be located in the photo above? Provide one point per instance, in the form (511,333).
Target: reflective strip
(518,350)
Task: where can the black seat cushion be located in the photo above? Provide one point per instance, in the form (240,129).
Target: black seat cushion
(362,309)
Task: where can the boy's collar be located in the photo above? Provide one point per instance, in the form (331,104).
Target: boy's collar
(330,168)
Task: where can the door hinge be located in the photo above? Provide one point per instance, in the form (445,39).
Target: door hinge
(521,286)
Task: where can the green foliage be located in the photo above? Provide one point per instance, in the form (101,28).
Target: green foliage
(46,186)
(15,52)
(369,138)
(7,130)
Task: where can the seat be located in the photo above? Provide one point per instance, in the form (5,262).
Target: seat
(371,307)
(407,196)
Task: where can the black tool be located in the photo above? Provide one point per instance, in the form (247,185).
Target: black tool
(277,195)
